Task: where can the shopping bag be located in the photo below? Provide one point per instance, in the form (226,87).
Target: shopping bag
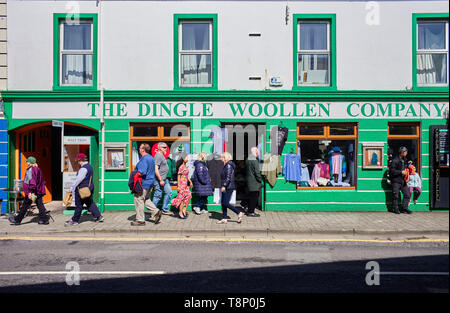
(68,198)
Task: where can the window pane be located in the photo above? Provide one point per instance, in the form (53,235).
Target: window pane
(431,35)
(176,131)
(402,130)
(327,163)
(77,37)
(411,145)
(431,69)
(313,69)
(145,131)
(313,36)
(195,36)
(196,69)
(342,130)
(309,130)
(77,69)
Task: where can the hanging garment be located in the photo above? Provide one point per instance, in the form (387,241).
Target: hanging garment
(338,165)
(292,167)
(190,163)
(324,170)
(271,168)
(220,137)
(304,173)
(315,175)
(351,170)
(215,166)
(278,137)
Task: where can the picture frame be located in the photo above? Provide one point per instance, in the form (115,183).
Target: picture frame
(373,156)
(115,158)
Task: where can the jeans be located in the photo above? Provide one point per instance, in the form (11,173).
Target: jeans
(396,188)
(159,191)
(226,197)
(27,204)
(201,203)
(90,204)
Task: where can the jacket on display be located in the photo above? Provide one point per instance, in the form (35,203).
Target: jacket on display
(292,167)
(215,166)
(271,168)
(278,137)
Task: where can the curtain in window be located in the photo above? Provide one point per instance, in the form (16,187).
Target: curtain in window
(196,68)
(431,67)
(77,68)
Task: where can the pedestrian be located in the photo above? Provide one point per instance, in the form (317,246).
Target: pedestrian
(414,182)
(34,189)
(83,180)
(184,183)
(162,184)
(227,188)
(398,172)
(254,179)
(146,169)
(202,184)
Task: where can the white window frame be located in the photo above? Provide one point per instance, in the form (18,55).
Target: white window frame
(182,52)
(316,52)
(437,51)
(80,52)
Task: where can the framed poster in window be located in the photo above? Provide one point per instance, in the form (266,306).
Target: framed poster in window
(373,156)
(115,158)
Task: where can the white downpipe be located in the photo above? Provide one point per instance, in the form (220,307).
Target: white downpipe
(102,103)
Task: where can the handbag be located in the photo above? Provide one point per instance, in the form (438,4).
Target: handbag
(85,192)
(68,198)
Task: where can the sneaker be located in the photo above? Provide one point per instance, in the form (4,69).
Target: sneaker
(196,210)
(70,223)
(158,217)
(253,215)
(13,221)
(137,223)
(407,211)
(99,219)
(204,211)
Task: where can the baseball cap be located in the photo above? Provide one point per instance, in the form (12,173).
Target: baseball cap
(81,156)
(31,160)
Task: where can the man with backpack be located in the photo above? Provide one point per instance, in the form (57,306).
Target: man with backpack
(397,172)
(145,171)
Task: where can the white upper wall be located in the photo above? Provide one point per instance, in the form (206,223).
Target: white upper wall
(137,42)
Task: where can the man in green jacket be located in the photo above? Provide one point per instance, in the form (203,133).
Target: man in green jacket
(254,180)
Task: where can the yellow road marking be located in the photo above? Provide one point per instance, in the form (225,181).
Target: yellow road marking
(134,239)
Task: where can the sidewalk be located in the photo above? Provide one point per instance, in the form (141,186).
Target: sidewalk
(268,225)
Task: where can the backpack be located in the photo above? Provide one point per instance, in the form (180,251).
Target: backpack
(135,182)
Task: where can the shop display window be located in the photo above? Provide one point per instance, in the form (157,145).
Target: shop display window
(175,135)
(328,155)
(406,134)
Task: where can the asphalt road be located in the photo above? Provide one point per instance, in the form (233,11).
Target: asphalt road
(222,267)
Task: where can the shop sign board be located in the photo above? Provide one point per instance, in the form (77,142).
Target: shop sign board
(231,110)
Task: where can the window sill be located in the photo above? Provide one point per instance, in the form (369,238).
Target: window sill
(430,88)
(314,88)
(326,188)
(74,88)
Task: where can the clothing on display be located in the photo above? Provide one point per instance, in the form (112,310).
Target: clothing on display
(220,137)
(351,170)
(215,166)
(292,167)
(321,170)
(271,168)
(338,165)
(278,137)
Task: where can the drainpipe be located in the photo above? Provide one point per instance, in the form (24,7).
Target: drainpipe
(102,104)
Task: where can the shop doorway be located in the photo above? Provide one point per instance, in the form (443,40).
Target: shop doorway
(44,142)
(241,138)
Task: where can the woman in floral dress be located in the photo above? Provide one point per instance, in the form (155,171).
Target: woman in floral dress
(184,195)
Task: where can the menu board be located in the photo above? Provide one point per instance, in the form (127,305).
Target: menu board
(443,148)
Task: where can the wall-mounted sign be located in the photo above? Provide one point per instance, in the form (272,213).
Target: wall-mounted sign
(276,81)
(230,110)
